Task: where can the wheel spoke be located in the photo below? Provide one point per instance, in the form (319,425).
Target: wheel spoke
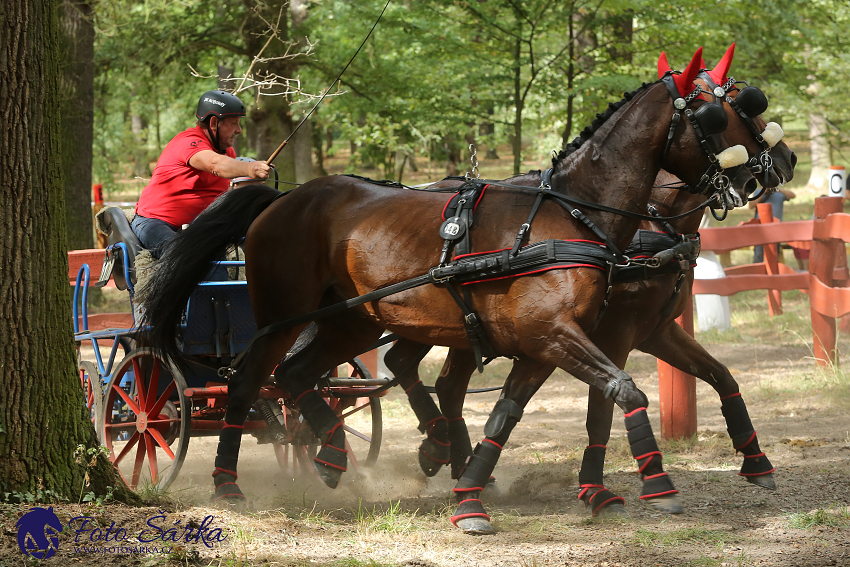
(160,440)
(151,451)
(357,433)
(353,410)
(130,443)
(124,425)
(154,383)
(160,403)
(140,382)
(352,456)
(126,397)
(137,466)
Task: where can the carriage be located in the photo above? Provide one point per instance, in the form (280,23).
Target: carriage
(146,410)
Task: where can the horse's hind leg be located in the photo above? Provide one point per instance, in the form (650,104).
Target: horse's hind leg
(600,500)
(243,389)
(451,391)
(677,348)
(403,361)
(335,342)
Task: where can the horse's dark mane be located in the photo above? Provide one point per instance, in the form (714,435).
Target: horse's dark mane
(601,118)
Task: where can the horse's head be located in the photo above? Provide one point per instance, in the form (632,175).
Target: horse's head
(698,133)
(772,161)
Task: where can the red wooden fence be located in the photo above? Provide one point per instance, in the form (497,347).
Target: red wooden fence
(828,233)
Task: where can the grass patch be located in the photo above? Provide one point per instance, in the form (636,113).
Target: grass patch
(393,520)
(698,535)
(835,517)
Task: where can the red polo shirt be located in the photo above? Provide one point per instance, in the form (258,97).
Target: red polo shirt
(178,192)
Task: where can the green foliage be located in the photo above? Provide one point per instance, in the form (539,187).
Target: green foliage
(88,457)
(436,75)
(40,495)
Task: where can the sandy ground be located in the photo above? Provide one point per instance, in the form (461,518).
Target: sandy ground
(393,515)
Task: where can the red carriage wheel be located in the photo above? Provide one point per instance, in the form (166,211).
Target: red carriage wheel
(90,380)
(145,420)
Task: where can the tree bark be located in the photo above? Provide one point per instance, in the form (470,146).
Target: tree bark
(271,120)
(516,139)
(42,417)
(78,119)
(821,157)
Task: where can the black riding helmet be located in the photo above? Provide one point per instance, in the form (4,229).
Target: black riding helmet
(220,104)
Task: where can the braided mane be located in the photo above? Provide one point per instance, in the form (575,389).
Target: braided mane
(601,118)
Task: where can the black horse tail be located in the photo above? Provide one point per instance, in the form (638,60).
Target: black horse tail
(186,260)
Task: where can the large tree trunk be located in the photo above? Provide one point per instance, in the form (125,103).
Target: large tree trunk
(821,157)
(302,152)
(516,138)
(42,418)
(78,119)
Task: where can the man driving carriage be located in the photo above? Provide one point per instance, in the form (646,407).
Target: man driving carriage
(195,167)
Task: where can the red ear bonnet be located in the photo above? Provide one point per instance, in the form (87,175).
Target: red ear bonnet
(685,81)
(720,73)
(663,65)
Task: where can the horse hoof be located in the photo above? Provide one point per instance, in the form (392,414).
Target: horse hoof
(763,480)
(329,475)
(612,510)
(234,502)
(430,454)
(670,503)
(475,526)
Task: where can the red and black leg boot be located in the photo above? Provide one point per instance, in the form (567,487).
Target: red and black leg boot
(756,468)
(470,515)
(224,475)
(461,452)
(435,450)
(658,489)
(332,458)
(461,446)
(601,501)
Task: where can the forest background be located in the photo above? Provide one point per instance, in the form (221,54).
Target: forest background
(517,77)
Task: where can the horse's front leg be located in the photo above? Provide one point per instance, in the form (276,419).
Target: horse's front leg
(526,376)
(583,359)
(677,348)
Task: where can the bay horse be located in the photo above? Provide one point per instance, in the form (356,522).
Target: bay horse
(640,315)
(338,237)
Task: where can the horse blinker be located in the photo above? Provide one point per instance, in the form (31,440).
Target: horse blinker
(752,101)
(711,118)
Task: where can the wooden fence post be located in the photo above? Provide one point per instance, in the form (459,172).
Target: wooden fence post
(822,263)
(771,261)
(677,391)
